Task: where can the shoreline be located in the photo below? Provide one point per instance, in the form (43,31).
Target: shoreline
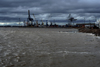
(87,30)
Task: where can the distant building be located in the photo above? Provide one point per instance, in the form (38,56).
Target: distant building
(86,25)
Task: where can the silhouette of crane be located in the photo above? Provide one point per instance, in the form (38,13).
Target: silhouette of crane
(71,19)
(42,22)
(34,17)
(29,18)
(35,20)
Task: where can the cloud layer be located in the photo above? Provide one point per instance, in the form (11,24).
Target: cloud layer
(11,10)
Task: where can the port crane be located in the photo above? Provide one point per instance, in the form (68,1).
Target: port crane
(35,20)
(71,19)
(42,22)
(29,18)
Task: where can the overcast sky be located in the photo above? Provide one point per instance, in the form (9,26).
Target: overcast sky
(12,10)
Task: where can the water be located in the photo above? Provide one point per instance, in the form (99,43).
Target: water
(48,47)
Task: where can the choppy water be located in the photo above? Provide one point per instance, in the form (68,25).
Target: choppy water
(28,47)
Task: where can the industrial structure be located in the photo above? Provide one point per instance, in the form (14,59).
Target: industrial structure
(29,19)
(33,22)
(71,19)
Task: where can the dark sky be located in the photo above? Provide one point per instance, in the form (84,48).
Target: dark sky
(11,10)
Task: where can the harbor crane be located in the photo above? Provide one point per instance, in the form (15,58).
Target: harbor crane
(29,18)
(35,20)
(71,19)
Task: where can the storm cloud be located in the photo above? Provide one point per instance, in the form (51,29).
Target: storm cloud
(11,10)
